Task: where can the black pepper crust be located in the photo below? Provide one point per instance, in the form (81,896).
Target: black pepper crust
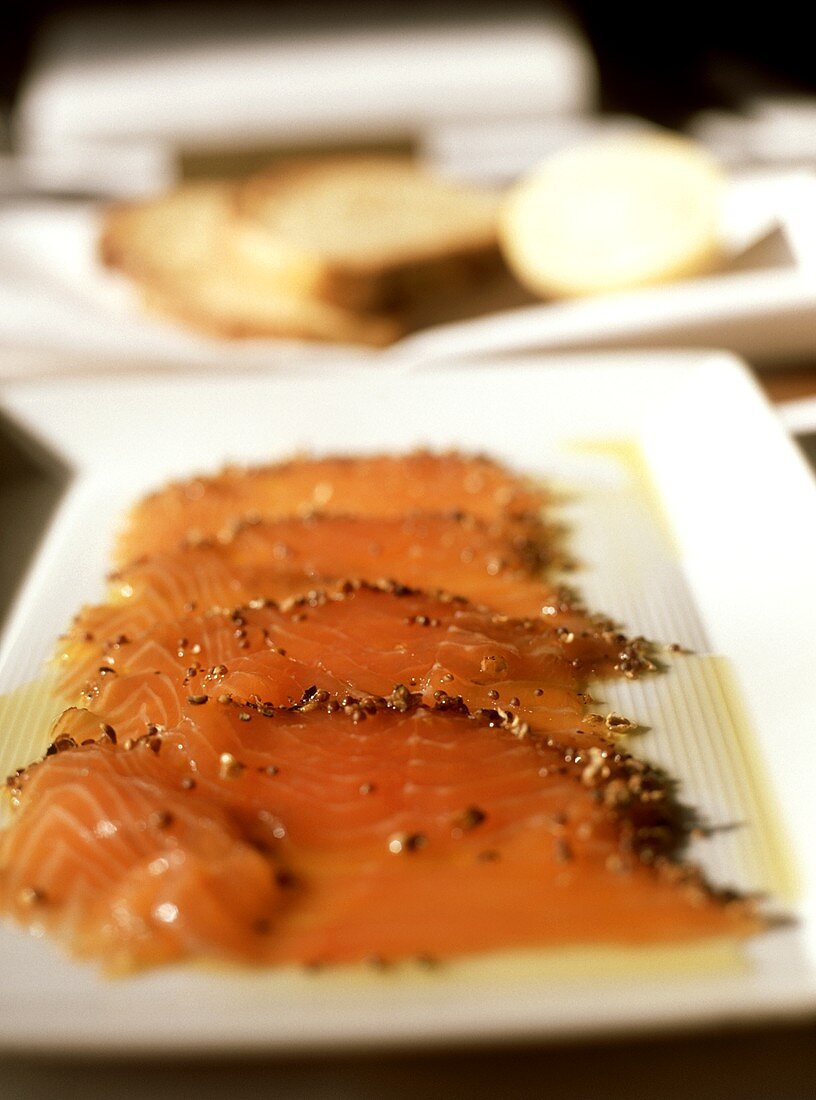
(635,656)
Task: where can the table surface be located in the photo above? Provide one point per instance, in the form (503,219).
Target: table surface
(788,383)
(777,1062)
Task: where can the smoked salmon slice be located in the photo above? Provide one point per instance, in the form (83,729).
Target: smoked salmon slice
(334,710)
(373,486)
(364,640)
(343,833)
(275,559)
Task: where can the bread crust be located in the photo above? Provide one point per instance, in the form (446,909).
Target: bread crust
(292,218)
(177,249)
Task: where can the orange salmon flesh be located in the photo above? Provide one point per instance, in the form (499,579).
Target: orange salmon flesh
(336,710)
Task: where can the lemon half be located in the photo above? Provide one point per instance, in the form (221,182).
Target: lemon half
(615,214)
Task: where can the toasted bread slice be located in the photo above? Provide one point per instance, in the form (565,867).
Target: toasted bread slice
(179,249)
(372,232)
(615,214)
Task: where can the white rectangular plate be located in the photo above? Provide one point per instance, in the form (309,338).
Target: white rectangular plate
(694,519)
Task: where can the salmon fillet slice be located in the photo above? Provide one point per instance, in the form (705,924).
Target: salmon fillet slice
(361,640)
(274,763)
(276,559)
(374,486)
(370,830)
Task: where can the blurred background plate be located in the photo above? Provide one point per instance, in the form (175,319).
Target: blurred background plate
(761,305)
(61,311)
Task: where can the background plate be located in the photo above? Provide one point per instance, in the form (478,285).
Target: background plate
(62,312)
